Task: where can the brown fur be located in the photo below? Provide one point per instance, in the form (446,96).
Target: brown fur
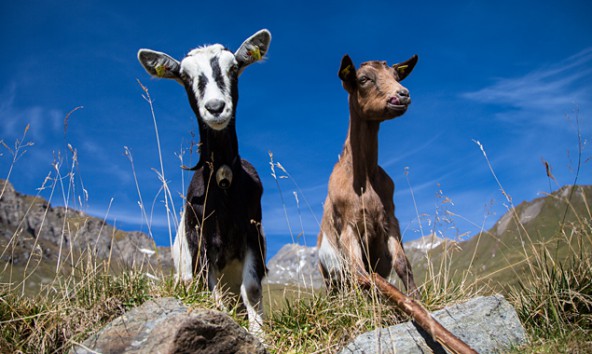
(359,230)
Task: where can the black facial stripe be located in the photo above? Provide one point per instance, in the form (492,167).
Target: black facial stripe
(217,73)
(202,81)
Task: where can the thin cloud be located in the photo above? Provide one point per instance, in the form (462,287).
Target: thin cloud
(44,123)
(544,95)
(39,147)
(103,162)
(129,216)
(405,156)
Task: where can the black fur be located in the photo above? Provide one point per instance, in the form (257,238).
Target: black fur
(232,218)
(217,73)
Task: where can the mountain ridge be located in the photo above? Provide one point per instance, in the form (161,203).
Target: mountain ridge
(36,235)
(32,229)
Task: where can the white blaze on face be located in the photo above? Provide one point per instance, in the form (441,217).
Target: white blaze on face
(211,71)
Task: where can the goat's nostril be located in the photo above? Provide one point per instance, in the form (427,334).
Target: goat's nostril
(215,106)
(403,93)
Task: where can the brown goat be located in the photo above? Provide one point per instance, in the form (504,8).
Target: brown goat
(359,230)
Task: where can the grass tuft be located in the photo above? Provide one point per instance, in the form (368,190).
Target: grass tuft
(318,322)
(555,302)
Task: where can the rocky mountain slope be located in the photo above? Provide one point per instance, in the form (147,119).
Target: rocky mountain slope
(494,257)
(32,231)
(295,265)
(36,236)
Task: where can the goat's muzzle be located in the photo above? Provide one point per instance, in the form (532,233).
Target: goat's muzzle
(224,177)
(399,102)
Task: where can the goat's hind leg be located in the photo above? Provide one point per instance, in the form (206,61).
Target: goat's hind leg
(331,263)
(182,255)
(216,287)
(350,240)
(251,292)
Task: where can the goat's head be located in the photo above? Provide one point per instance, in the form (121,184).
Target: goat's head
(375,88)
(209,75)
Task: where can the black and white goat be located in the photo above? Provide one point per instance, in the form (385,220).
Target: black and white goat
(220,232)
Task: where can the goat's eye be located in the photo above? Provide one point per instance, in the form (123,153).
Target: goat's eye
(363,80)
(233,69)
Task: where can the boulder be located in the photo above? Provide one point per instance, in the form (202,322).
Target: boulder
(487,324)
(165,325)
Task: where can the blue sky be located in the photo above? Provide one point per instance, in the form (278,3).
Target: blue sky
(514,76)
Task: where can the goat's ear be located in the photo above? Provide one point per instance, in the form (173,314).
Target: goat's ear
(253,49)
(405,68)
(347,73)
(159,64)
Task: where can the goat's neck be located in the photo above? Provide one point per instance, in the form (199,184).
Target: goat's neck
(219,147)
(361,148)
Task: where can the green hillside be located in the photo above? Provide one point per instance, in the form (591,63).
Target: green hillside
(524,239)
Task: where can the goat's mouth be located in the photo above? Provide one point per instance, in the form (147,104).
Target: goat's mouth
(217,122)
(395,110)
(396,107)
(397,104)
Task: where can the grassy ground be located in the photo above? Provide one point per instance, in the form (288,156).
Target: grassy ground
(552,294)
(554,304)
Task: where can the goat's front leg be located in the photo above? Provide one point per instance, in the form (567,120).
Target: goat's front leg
(400,262)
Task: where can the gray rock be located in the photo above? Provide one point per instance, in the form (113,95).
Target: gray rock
(487,324)
(166,326)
